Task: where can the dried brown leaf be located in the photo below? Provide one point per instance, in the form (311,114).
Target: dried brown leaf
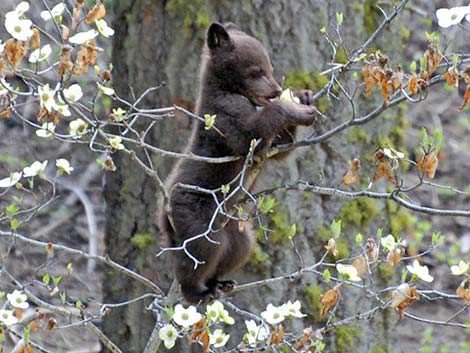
(97,12)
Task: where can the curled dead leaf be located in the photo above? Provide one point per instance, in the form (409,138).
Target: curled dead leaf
(413,84)
(403,297)
(427,163)
(393,258)
(372,249)
(36,40)
(97,12)
(351,176)
(65,63)
(452,77)
(276,337)
(466,98)
(463,291)
(361,265)
(14,52)
(329,299)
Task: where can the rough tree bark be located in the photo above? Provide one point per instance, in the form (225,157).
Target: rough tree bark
(160,41)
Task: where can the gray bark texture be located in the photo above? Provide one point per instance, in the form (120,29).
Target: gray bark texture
(161,41)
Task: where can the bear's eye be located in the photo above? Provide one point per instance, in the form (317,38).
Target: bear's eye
(255,73)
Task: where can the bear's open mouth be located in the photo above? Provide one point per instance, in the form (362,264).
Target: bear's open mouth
(265,100)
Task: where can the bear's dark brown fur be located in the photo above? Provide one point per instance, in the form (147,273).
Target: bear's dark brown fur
(236,78)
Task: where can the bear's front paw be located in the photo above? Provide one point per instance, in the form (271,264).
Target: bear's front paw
(305,96)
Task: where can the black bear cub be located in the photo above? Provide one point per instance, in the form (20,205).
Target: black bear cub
(236,80)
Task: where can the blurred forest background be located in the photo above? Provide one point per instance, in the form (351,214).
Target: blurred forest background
(114,213)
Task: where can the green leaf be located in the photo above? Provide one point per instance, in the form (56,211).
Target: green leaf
(339,18)
(46,279)
(26,334)
(336,228)
(437,239)
(326,275)
(292,231)
(2,295)
(209,120)
(358,238)
(14,224)
(63,297)
(355,75)
(379,233)
(423,64)
(56,280)
(11,210)
(70,267)
(266,205)
(240,211)
(423,135)
(323,29)
(78,304)
(225,189)
(413,66)
(404,274)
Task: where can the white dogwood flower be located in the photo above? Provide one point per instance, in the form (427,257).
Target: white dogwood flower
(18,28)
(108,91)
(73,93)
(63,109)
(4,89)
(115,143)
(20,9)
(63,166)
(186,317)
(168,335)
(55,12)
(421,271)
(77,127)
(46,130)
(40,54)
(37,168)
(11,180)
(218,338)
(273,314)
(18,300)
(460,269)
(83,37)
(449,17)
(389,243)
(292,309)
(46,98)
(7,317)
(104,29)
(216,312)
(255,333)
(349,271)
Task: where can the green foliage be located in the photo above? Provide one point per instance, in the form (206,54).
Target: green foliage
(311,302)
(370,17)
(359,136)
(259,260)
(335,228)
(379,349)
(142,241)
(265,205)
(359,212)
(195,14)
(280,224)
(347,338)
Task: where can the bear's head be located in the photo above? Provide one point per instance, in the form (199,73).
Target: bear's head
(238,63)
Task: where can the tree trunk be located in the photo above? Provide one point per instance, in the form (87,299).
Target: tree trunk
(161,41)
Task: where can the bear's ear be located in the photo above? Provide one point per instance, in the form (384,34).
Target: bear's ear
(217,37)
